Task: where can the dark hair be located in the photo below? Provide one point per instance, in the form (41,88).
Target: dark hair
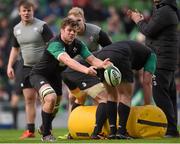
(25,3)
(69,22)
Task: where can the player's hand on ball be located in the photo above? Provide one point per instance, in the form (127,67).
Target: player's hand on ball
(107,63)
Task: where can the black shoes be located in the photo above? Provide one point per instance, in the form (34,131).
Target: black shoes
(121,136)
(112,136)
(97,136)
(172,135)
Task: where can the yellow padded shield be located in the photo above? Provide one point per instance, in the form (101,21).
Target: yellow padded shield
(81,122)
(147,122)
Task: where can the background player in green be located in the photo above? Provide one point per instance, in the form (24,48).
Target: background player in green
(45,75)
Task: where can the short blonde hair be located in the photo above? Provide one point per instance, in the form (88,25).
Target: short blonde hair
(76,11)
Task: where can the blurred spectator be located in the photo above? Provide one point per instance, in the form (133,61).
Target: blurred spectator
(113,21)
(3,82)
(115,26)
(4,38)
(128,23)
(53,11)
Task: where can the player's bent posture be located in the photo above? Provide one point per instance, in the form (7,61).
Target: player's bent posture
(30,36)
(127,56)
(45,75)
(82,85)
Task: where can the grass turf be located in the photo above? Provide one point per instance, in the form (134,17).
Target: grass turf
(12,136)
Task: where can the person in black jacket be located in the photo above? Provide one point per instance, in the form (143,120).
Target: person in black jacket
(161,36)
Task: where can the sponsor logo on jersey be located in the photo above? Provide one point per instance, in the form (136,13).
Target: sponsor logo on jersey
(22,85)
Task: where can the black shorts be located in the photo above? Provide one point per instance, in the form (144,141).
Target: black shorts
(122,62)
(18,77)
(74,79)
(55,81)
(25,77)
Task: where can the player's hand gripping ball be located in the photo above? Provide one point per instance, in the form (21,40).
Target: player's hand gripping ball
(112,76)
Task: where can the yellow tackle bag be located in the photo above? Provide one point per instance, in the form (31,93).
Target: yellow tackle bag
(81,122)
(146,122)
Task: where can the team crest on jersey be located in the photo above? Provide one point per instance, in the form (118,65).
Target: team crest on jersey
(91,39)
(35,28)
(75,49)
(42,82)
(84,84)
(18,32)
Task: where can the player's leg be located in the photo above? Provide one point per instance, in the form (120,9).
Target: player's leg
(125,91)
(99,94)
(57,86)
(112,110)
(49,98)
(14,107)
(16,92)
(30,108)
(30,101)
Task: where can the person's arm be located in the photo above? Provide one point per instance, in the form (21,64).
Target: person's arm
(73,64)
(92,60)
(57,49)
(147,87)
(12,58)
(152,27)
(46,33)
(104,39)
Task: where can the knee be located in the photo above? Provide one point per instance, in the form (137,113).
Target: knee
(50,99)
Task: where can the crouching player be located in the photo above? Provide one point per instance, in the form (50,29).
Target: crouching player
(127,56)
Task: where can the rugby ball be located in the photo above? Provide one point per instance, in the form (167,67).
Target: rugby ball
(112,76)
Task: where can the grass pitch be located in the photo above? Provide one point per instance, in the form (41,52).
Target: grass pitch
(12,136)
